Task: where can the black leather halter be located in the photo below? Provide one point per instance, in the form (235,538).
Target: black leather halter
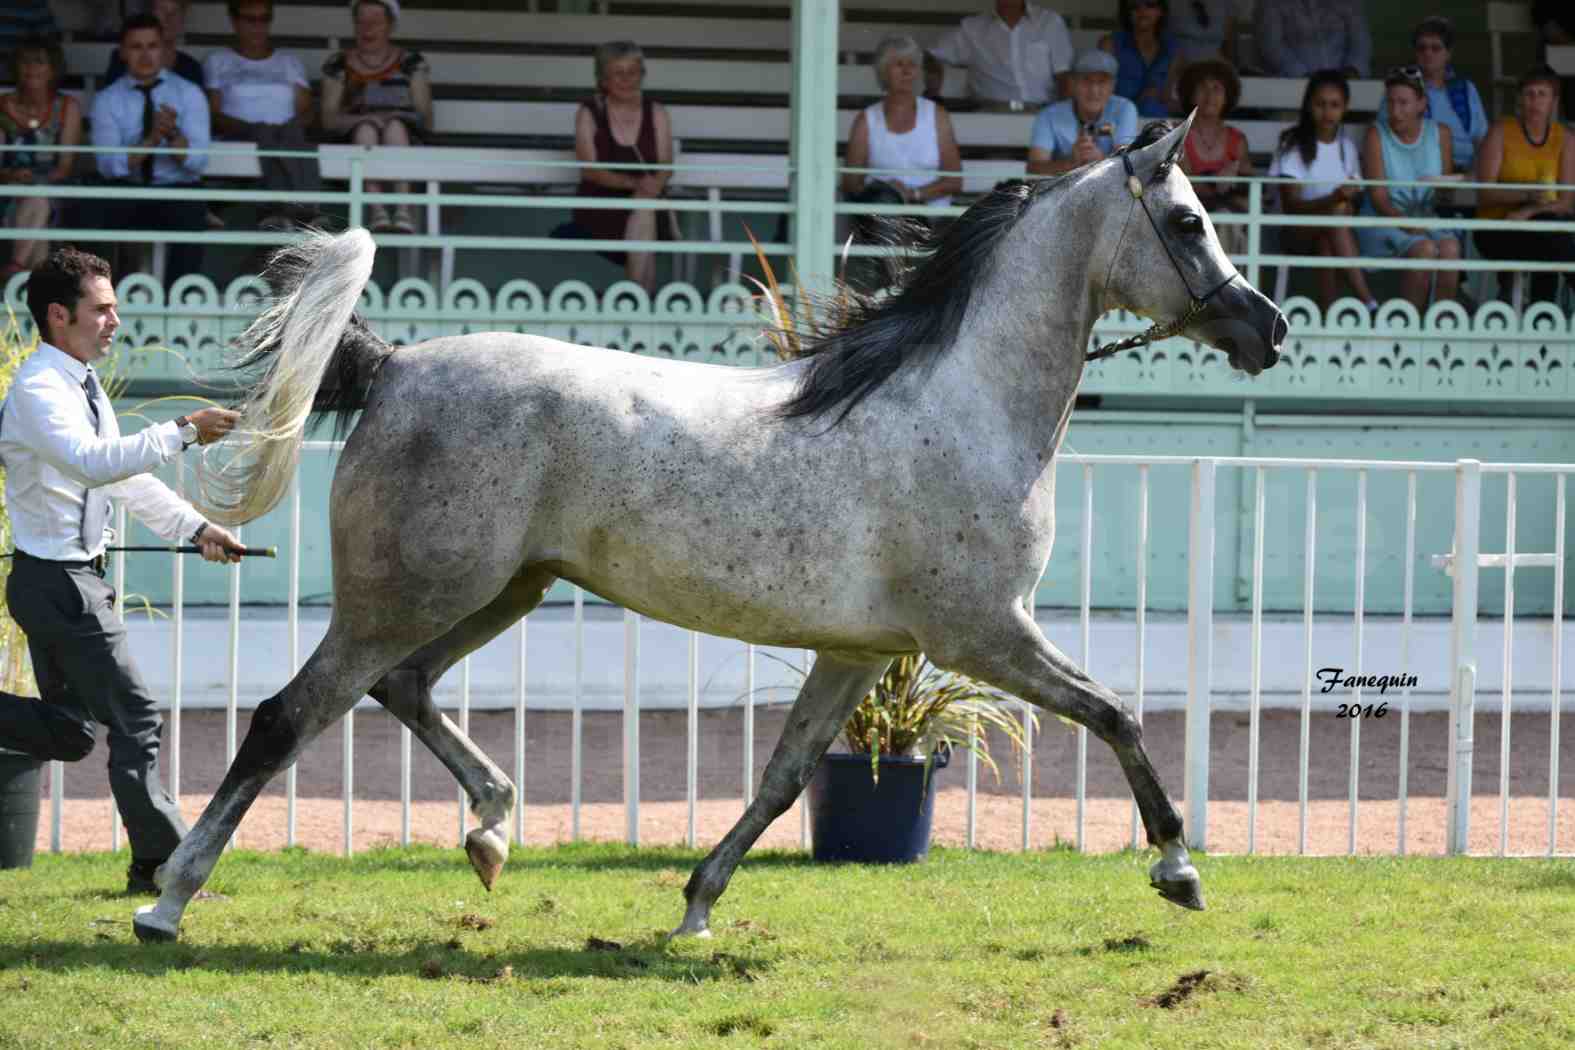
(1179,325)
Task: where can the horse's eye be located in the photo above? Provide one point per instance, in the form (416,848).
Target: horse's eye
(1189,223)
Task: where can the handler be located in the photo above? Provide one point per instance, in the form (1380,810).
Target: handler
(64,458)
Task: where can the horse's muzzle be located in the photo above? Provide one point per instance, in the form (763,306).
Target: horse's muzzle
(1245,325)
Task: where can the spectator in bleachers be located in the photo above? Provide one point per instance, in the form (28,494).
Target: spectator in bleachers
(903,130)
(1203,29)
(620,124)
(378,94)
(24,20)
(37,113)
(1017,56)
(1407,144)
(1145,53)
(1317,151)
(151,108)
(1555,22)
(1211,88)
(1529,148)
(1296,37)
(1086,127)
(1452,100)
(259,94)
(172,17)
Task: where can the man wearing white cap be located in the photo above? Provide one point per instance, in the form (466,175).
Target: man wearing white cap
(1016,54)
(1087,127)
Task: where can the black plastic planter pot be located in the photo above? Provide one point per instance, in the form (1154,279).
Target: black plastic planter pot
(19,785)
(853,818)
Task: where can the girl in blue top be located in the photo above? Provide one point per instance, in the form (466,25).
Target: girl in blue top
(1408,145)
(1144,53)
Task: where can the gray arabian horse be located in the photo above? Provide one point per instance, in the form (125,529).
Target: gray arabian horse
(890,493)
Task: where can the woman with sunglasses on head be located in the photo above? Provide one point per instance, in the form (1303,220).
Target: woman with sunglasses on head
(1452,100)
(1529,148)
(1407,144)
(1144,53)
(1317,151)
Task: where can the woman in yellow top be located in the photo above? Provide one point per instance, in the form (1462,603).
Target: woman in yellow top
(1528,149)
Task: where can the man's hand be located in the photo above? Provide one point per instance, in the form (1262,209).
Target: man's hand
(217,544)
(212,424)
(165,123)
(1084,151)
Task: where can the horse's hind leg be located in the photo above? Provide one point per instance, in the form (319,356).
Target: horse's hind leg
(1016,657)
(333,678)
(834,687)
(406,692)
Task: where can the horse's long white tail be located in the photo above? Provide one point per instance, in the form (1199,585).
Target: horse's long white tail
(306,331)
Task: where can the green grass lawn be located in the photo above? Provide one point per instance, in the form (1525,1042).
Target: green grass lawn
(403,948)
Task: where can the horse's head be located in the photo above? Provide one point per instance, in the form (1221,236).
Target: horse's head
(1169,266)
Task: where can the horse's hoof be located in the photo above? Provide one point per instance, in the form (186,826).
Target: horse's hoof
(1186,892)
(485,857)
(702,932)
(150,929)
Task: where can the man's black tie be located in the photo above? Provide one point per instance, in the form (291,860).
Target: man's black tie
(146,163)
(90,387)
(95,504)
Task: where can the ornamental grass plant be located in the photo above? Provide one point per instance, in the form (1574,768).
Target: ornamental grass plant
(917,709)
(16,670)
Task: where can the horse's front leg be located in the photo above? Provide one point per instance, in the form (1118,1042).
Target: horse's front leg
(835,685)
(1013,655)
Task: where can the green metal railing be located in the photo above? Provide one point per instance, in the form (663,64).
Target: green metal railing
(1446,354)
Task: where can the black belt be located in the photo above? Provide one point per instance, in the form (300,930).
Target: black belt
(96,565)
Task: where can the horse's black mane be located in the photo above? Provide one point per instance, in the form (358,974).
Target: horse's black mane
(874,338)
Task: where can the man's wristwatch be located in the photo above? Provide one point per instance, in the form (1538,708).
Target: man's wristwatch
(196,537)
(188,432)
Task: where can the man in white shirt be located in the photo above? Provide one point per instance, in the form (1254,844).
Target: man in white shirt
(1017,55)
(64,458)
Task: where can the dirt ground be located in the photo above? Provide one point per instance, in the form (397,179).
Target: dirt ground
(435,817)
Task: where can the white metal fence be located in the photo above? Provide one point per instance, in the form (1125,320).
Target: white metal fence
(1465,564)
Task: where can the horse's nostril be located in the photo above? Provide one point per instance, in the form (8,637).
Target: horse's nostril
(1281,329)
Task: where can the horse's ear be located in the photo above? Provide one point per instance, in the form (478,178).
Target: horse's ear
(1160,155)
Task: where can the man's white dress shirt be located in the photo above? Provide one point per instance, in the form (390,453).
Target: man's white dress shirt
(53,455)
(1010,63)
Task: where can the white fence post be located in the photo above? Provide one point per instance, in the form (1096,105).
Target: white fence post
(1462,652)
(1200,652)
(631,726)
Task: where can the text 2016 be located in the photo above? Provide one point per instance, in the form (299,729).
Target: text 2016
(1358,711)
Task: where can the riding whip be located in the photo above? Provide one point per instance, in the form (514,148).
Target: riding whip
(246,552)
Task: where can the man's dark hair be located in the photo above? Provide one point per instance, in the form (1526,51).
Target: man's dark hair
(236,5)
(143,21)
(59,280)
(1435,25)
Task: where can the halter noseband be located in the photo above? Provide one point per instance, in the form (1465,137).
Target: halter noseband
(1169,328)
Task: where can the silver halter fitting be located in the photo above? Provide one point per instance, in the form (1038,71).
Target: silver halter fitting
(1167,329)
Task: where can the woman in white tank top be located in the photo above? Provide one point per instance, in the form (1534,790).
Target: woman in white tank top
(904,131)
